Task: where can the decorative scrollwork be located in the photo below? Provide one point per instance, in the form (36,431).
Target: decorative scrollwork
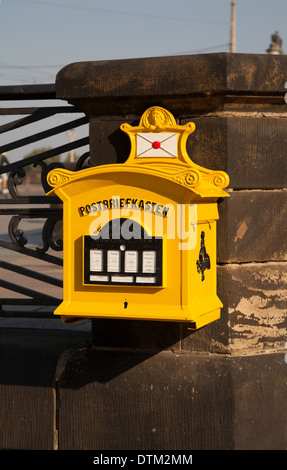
(189,179)
(80,164)
(45,171)
(52,233)
(220,180)
(157,117)
(15,234)
(15,178)
(48,235)
(52,236)
(18,173)
(192,178)
(57,176)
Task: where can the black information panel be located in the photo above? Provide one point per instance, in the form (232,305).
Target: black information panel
(125,261)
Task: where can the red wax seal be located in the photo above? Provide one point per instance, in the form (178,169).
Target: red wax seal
(156,144)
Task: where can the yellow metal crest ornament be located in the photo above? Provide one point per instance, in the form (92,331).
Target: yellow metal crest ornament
(140,237)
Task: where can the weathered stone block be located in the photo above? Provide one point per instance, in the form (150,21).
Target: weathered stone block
(252,227)
(115,400)
(255,298)
(251,150)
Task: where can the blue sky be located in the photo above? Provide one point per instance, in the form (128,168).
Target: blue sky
(39,37)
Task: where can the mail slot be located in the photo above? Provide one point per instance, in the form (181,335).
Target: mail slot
(139,237)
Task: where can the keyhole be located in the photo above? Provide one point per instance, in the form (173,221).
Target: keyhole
(125,304)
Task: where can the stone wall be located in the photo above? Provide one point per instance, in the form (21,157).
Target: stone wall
(157,385)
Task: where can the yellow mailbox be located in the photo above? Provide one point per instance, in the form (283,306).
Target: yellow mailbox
(140,237)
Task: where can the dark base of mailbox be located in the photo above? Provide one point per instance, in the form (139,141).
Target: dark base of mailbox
(166,401)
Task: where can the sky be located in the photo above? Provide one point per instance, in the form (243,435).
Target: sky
(39,37)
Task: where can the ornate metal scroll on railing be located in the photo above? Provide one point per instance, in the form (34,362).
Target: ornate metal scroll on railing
(30,222)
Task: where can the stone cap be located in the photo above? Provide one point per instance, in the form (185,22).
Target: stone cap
(219,73)
(131,85)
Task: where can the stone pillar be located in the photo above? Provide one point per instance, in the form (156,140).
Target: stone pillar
(157,385)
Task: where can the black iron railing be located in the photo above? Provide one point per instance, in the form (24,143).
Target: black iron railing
(31,222)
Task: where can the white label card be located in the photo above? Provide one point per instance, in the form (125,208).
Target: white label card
(131,261)
(122,278)
(149,262)
(98,278)
(113,261)
(96,260)
(146,280)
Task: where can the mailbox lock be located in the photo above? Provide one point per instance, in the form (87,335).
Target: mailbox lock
(203,262)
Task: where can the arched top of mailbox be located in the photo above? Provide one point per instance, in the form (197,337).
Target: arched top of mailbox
(158,139)
(158,150)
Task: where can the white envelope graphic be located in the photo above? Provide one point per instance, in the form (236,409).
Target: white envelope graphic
(151,144)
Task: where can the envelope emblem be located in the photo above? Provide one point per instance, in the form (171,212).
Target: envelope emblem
(152,144)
